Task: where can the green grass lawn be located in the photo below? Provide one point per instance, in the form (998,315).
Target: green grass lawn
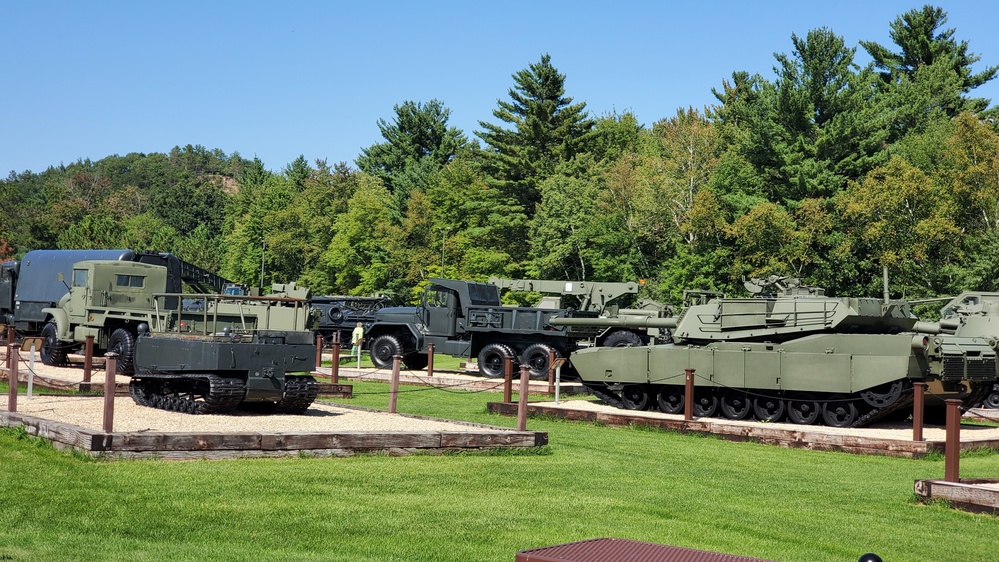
(591,481)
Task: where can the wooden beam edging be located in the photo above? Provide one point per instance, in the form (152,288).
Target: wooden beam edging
(266,444)
(809,437)
(977,495)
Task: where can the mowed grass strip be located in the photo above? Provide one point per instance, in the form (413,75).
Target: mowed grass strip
(591,481)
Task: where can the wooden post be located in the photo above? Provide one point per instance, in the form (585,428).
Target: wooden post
(688,396)
(12,360)
(430,359)
(952,446)
(319,351)
(508,380)
(551,371)
(88,360)
(10,343)
(525,376)
(394,384)
(918,389)
(110,368)
(335,376)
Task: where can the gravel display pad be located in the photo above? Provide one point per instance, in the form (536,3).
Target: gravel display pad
(88,412)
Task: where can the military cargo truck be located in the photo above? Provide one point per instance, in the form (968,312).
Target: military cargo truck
(466,319)
(195,353)
(340,314)
(32,284)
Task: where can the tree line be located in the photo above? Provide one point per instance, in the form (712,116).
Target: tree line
(828,172)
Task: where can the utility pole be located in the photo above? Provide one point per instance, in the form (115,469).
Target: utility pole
(263,249)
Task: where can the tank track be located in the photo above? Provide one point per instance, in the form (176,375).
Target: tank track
(299,393)
(871,414)
(191,394)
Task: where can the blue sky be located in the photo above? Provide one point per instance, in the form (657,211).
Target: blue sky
(281,79)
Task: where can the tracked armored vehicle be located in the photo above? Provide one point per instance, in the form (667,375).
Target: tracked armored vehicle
(973,314)
(194,353)
(791,351)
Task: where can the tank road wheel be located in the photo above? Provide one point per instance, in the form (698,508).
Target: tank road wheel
(635,397)
(803,409)
(768,408)
(884,395)
(735,404)
(383,348)
(670,399)
(622,338)
(839,412)
(53,351)
(705,403)
(416,361)
(492,360)
(122,342)
(536,358)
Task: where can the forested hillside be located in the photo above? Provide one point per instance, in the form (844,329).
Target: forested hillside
(828,172)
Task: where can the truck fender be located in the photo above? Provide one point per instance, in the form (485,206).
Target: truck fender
(401,330)
(61,321)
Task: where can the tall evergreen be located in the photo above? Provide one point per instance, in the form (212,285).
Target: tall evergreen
(547,129)
(932,71)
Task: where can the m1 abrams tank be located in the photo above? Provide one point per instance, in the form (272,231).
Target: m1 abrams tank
(791,351)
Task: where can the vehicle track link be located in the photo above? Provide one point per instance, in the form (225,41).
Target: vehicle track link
(299,393)
(191,394)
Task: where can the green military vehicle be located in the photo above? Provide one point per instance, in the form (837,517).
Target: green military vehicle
(629,325)
(975,313)
(195,353)
(791,351)
(466,319)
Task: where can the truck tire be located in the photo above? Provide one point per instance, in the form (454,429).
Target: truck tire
(53,351)
(536,357)
(492,359)
(122,342)
(622,338)
(383,348)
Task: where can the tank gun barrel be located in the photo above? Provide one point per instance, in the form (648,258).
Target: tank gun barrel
(942,327)
(620,322)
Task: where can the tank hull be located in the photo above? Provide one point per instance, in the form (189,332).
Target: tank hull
(869,375)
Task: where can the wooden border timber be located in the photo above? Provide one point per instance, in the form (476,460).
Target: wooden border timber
(441,379)
(186,446)
(977,495)
(808,437)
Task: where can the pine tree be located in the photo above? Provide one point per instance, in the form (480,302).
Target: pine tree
(547,129)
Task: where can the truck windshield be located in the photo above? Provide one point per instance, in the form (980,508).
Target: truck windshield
(79,277)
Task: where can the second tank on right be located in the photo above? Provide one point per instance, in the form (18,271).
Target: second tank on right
(791,352)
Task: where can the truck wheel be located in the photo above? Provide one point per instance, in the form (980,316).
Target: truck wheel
(383,348)
(122,342)
(622,338)
(492,359)
(53,351)
(992,400)
(536,358)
